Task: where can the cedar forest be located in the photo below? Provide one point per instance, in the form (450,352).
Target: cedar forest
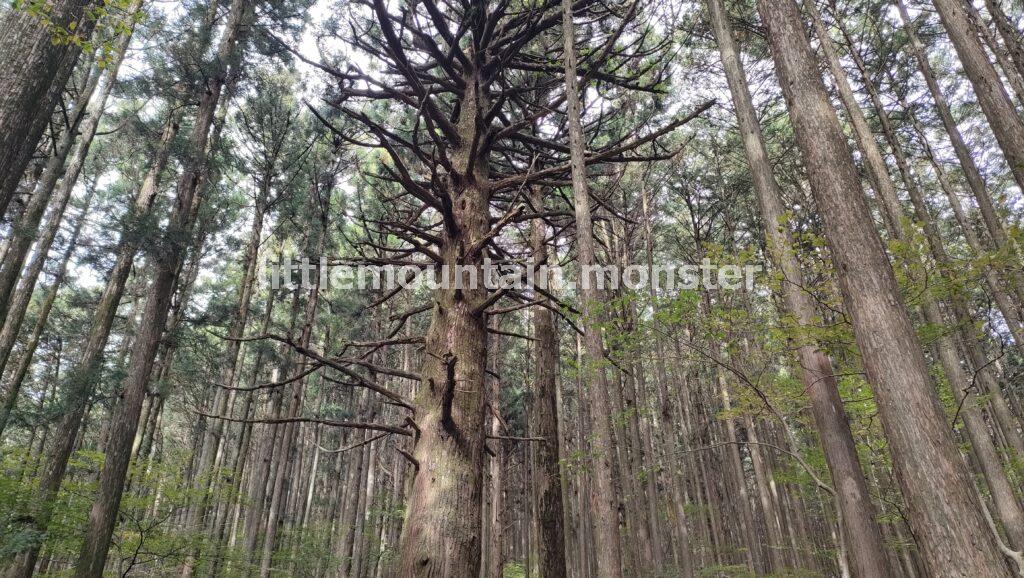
(188,388)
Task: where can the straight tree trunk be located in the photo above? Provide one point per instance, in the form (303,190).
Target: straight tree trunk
(960,309)
(92,113)
(944,509)
(24,234)
(995,285)
(544,414)
(1010,35)
(893,217)
(35,70)
(496,465)
(18,377)
(212,439)
(675,477)
(103,516)
(742,501)
(603,499)
(244,444)
(975,181)
(288,444)
(1006,124)
(82,378)
(1007,507)
(867,552)
(1002,57)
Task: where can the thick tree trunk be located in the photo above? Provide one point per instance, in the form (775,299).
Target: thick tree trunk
(91,112)
(878,172)
(867,551)
(24,234)
(35,70)
(603,499)
(440,536)
(943,506)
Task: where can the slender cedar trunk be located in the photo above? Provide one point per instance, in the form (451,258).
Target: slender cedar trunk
(867,551)
(981,29)
(36,68)
(440,534)
(1003,300)
(647,460)
(625,408)
(1010,35)
(496,465)
(24,234)
(91,113)
(603,499)
(944,509)
(892,213)
(23,295)
(993,223)
(1006,124)
(767,498)
(960,309)
(288,446)
(350,502)
(587,539)
(103,515)
(1007,507)
(234,505)
(266,476)
(544,417)
(675,478)
(366,495)
(747,528)
(25,362)
(229,372)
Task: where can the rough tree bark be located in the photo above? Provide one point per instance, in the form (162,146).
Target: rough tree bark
(944,509)
(544,419)
(866,552)
(103,516)
(24,234)
(87,122)
(603,499)
(36,68)
(1006,124)
(440,534)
